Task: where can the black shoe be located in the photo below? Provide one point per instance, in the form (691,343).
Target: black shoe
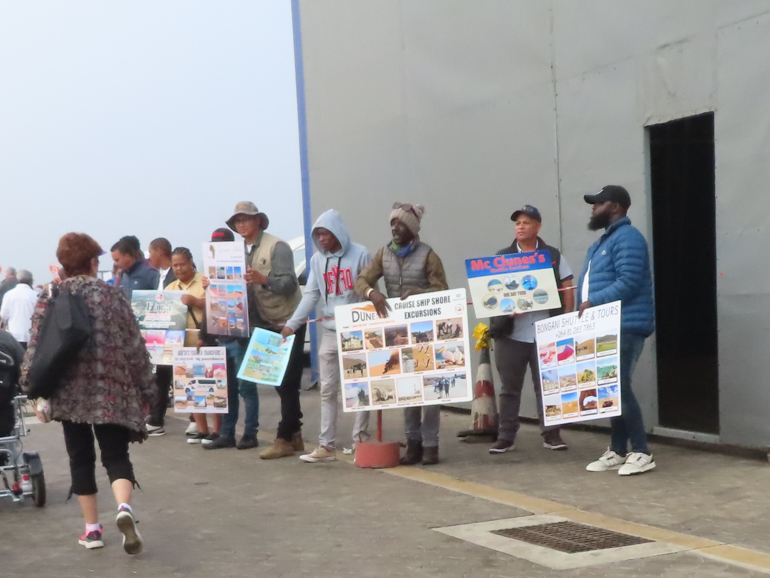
(552,441)
(247,442)
(209,439)
(501,446)
(220,442)
(430,456)
(413,453)
(197,438)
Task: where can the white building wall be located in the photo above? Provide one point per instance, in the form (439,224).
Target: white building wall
(475,108)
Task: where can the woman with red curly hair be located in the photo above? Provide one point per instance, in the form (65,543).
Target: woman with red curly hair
(106,393)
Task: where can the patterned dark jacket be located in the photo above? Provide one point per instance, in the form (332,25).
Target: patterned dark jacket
(112,379)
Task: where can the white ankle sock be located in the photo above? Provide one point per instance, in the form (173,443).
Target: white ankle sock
(126,506)
(93,528)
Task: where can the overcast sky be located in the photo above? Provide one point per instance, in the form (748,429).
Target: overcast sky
(150,118)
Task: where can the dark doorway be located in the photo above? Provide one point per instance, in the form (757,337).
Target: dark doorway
(684,239)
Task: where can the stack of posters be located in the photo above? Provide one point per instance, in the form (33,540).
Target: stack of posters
(162,320)
(200,380)
(418,355)
(515,283)
(227,310)
(580,365)
(266,358)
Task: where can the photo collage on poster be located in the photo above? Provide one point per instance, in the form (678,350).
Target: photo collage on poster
(200,380)
(579,363)
(227,311)
(162,319)
(416,356)
(267,357)
(514,283)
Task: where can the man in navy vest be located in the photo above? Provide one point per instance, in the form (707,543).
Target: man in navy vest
(514,335)
(617,268)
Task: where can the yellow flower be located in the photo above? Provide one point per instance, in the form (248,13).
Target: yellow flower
(481,333)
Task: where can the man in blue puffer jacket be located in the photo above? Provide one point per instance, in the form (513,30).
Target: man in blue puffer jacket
(617,268)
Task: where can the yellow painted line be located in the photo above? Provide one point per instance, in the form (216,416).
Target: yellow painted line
(641,530)
(506,497)
(718,551)
(738,556)
(714,550)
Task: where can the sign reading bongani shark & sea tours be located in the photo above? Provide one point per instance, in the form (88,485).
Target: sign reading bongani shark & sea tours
(200,380)
(579,361)
(418,355)
(227,310)
(515,283)
(162,320)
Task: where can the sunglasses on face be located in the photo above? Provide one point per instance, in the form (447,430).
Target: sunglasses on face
(407,207)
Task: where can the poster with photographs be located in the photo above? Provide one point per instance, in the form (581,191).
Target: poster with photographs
(227,310)
(418,355)
(267,357)
(200,380)
(580,365)
(515,283)
(162,320)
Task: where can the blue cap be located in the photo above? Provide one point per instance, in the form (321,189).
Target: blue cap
(529,211)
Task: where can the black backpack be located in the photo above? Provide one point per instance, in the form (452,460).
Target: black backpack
(65,328)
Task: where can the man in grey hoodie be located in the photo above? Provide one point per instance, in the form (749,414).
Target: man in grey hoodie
(333,273)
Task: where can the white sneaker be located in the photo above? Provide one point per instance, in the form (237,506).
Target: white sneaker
(155,430)
(637,463)
(609,461)
(191,430)
(320,454)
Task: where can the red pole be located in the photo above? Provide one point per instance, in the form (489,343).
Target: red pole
(379,425)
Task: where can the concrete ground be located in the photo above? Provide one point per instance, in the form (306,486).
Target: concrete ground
(227,513)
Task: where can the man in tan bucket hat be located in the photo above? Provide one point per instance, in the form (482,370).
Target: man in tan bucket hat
(273,295)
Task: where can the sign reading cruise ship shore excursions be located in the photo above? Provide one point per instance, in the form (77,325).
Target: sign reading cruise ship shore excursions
(579,362)
(418,355)
(515,283)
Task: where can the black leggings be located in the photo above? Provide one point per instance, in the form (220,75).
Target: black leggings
(113,442)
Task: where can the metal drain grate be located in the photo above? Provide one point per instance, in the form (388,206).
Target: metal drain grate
(570,537)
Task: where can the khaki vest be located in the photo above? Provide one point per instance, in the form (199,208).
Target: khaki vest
(407,272)
(273,308)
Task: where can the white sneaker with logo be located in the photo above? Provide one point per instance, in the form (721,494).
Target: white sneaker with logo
(637,463)
(320,454)
(609,461)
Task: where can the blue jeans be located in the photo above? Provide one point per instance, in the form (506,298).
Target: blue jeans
(629,426)
(247,390)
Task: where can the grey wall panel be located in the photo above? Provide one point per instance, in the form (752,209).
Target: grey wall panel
(453,104)
(742,126)
(591,155)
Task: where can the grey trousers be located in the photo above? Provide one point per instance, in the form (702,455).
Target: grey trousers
(511,359)
(422,424)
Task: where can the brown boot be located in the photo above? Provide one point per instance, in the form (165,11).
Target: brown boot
(413,453)
(430,456)
(279,449)
(297,442)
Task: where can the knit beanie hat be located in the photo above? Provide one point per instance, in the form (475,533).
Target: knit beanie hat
(410,215)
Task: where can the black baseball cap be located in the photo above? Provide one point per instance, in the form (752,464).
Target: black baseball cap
(222,235)
(612,193)
(529,211)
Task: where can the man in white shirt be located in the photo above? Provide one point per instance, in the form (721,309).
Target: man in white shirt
(514,335)
(18,306)
(160,259)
